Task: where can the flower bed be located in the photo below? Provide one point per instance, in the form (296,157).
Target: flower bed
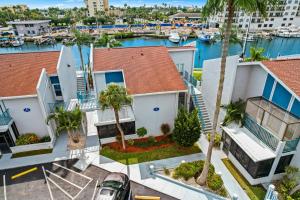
(142,144)
(145,149)
(188,173)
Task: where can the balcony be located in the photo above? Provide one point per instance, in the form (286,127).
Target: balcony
(5,118)
(280,123)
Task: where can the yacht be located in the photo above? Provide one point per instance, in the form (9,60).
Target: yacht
(17,41)
(174,37)
(205,37)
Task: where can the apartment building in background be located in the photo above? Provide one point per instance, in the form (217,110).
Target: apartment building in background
(30,27)
(285,14)
(94,6)
(268,140)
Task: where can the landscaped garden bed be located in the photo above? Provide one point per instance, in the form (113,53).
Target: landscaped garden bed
(255,192)
(188,173)
(31,153)
(146,149)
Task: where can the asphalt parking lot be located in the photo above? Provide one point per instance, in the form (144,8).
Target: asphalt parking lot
(63,183)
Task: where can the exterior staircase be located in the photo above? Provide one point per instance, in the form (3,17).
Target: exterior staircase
(81,85)
(202,113)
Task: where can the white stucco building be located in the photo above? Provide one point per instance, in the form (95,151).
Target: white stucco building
(286,14)
(33,84)
(30,27)
(268,141)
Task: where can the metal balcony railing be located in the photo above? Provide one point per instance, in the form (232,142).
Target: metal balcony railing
(261,133)
(5,118)
(291,145)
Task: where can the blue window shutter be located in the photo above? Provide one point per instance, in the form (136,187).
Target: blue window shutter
(114,77)
(281,96)
(268,87)
(296,108)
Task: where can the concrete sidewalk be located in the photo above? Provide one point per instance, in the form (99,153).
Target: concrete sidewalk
(231,185)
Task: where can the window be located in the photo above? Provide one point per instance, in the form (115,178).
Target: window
(272,19)
(114,77)
(283,162)
(33,32)
(265,25)
(56,85)
(282,24)
(181,99)
(270,25)
(291,18)
(28,32)
(240,25)
(246,26)
(259,25)
(284,19)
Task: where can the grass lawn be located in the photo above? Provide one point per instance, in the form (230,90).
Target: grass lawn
(156,154)
(254,192)
(31,153)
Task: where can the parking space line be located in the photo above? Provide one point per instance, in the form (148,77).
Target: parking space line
(73,171)
(82,189)
(46,178)
(65,192)
(64,179)
(4,187)
(95,188)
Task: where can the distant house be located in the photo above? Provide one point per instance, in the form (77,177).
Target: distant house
(30,27)
(186,16)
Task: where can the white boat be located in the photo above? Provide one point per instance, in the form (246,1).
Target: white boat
(288,32)
(16,42)
(206,37)
(174,37)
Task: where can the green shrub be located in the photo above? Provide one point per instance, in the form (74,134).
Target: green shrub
(141,132)
(187,128)
(119,138)
(130,142)
(151,140)
(166,171)
(215,182)
(222,192)
(218,139)
(45,139)
(165,128)
(28,138)
(197,74)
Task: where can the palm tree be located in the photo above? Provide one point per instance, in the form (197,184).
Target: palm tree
(234,112)
(115,97)
(256,54)
(69,121)
(80,39)
(213,7)
(107,41)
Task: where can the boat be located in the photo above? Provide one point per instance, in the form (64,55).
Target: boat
(250,38)
(174,37)
(288,32)
(205,37)
(17,41)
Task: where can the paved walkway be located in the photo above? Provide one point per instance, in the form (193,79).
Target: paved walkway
(138,172)
(230,183)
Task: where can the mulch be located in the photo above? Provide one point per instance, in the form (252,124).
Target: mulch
(137,149)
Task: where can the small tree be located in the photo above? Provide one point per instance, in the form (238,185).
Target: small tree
(235,111)
(165,128)
(107,41)
(115,97)
(187,128)
(141,132)
(256,54)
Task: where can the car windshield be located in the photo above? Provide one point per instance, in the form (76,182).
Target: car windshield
(112,184)
(107,192)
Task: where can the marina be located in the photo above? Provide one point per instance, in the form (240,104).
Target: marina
(273,48)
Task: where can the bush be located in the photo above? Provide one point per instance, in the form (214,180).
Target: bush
(151,140)
(166,171)
(197,74)
(165,128)
(222,192)
(187,128)
(141,132)
(191,169)
(45,139)
(215,182)
(130,142)
(218,139)
(28,138)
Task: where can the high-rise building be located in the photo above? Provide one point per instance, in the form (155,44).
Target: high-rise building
(95,6)
(287,13)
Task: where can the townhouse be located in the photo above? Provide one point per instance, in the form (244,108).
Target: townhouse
(268,141)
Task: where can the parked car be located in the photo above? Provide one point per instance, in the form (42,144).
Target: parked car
(116,186)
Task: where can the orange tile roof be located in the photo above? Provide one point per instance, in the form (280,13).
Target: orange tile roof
(20,72)
(288,71)
(146,69)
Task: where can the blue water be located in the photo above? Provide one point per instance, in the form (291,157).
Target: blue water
(273,48)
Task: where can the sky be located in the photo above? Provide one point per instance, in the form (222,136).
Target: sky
(80,3)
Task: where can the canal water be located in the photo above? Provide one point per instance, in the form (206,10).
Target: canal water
(273,48)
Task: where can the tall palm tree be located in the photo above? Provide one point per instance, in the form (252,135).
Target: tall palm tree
(69,121)
(80,39)
(115,97)
(213,7)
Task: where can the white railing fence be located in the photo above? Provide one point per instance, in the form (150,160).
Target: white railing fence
(271,193)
